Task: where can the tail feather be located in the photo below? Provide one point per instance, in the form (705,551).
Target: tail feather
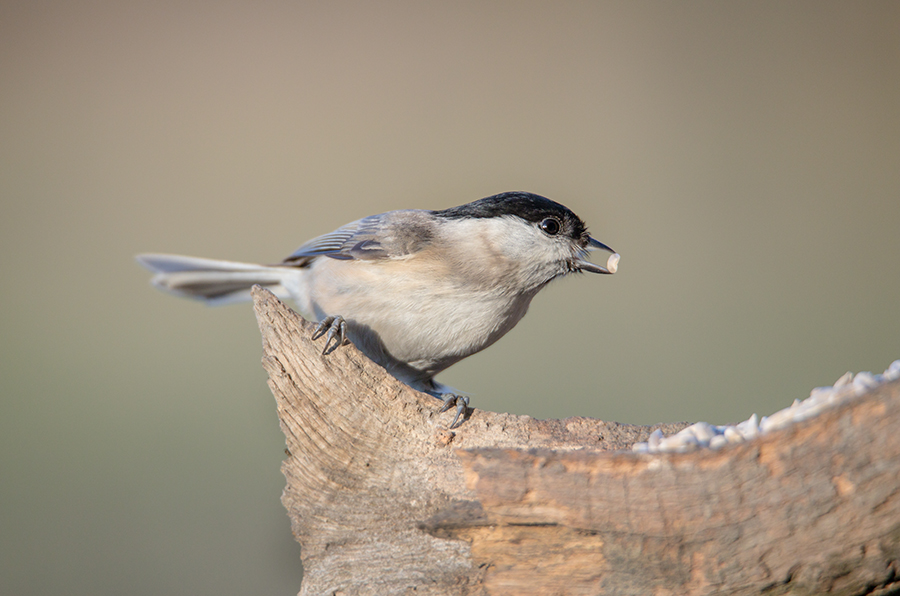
(214,282)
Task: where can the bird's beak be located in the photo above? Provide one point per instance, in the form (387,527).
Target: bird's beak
(612,263)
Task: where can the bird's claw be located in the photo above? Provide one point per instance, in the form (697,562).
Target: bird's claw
(460,401)
(336,329)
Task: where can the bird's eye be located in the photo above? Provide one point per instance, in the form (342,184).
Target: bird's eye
(550,226)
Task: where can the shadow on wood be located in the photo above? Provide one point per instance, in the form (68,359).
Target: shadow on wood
(385,500)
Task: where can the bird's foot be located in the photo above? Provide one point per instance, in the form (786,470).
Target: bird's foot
(336,329)
(460,401)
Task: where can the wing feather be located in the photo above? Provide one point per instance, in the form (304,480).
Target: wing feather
(388,235)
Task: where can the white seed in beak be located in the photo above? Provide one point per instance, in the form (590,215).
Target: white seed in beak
(612,263)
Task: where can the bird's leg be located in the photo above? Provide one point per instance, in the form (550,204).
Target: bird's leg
(336,328)
(460,401)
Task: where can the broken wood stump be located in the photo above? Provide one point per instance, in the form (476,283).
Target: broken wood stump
(385,500)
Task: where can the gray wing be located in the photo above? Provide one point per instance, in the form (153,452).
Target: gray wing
(388,235)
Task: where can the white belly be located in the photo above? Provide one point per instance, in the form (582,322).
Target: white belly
(401,313)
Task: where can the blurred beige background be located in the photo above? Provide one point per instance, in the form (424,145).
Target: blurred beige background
(743,157)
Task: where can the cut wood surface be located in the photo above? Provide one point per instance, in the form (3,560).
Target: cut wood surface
(385,500)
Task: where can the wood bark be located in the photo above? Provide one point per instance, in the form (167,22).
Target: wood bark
(384,499)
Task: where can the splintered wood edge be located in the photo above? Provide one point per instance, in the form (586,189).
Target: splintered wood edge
(369,458)
(364,448)
(813,507)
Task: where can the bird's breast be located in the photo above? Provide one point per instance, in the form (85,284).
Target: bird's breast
(422,312)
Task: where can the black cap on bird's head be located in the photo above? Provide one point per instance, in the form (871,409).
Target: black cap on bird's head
(551,217)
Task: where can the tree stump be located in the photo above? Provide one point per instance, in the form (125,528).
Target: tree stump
(385,500)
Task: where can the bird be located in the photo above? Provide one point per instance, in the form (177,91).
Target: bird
(415,290)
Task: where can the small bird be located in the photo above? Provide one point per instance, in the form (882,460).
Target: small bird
(415,290)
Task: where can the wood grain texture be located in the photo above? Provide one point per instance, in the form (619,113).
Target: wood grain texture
(385,500)
(811,509)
